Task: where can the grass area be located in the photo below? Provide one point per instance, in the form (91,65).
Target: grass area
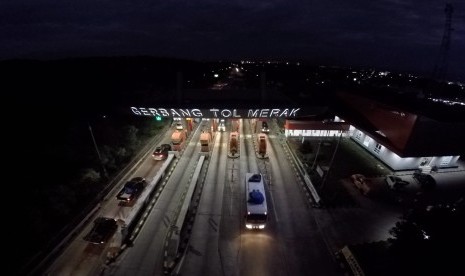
(340,161)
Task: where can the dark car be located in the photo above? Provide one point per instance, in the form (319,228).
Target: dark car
(426,181)
(102,231)
(360,181)
(395,182)
(161,152)
(132,189)
(265,128)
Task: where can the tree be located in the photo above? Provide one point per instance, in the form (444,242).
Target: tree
(129,138)
(427,241)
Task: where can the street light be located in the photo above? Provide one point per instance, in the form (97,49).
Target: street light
(98,152)
(330,163)
(317,151)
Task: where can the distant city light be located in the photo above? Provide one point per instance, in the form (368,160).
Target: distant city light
(448,102)
(216,75)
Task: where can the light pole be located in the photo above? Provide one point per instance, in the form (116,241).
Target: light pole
(317,151)
(104,171)
(331,163)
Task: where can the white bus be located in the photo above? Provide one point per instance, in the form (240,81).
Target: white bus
(257,210)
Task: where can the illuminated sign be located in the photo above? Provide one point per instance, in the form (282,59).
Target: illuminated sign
(216,113)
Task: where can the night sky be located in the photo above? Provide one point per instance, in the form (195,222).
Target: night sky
(383,34)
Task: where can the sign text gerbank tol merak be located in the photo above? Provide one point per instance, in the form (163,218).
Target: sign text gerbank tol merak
(217,113)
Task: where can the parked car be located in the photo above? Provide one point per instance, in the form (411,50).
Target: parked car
(161,152)
(132,189)
(360,181)
(425,180)
(395,182)
(102,231)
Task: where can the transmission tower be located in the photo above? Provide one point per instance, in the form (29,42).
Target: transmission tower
(440,68)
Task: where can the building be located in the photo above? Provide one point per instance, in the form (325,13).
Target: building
(399,137)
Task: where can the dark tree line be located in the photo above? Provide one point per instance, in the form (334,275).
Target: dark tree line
(430,241)
(66,179)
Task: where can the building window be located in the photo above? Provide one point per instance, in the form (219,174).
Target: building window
(367,141)
(378,148)
(446,160)
(358,135)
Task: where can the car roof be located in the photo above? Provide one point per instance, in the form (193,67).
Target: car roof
(137,179)
(104,220)
(162,147)
(102,228)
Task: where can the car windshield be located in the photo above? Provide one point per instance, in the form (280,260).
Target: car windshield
(128,190)
(256,218)
(102,229)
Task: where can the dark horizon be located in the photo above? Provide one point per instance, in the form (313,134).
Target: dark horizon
(388,35)
(427,74)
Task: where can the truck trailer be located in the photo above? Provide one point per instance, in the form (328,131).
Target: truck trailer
(262,145)
(177,139)
(205,141)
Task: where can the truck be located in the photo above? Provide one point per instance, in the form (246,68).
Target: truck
(233,145)
(262,144)
(177,139)
(205,141)
(256,207)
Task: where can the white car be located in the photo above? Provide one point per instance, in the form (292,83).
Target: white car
(395,182)
(221,127)
(179,126)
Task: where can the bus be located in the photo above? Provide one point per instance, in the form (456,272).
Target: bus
(257,210)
